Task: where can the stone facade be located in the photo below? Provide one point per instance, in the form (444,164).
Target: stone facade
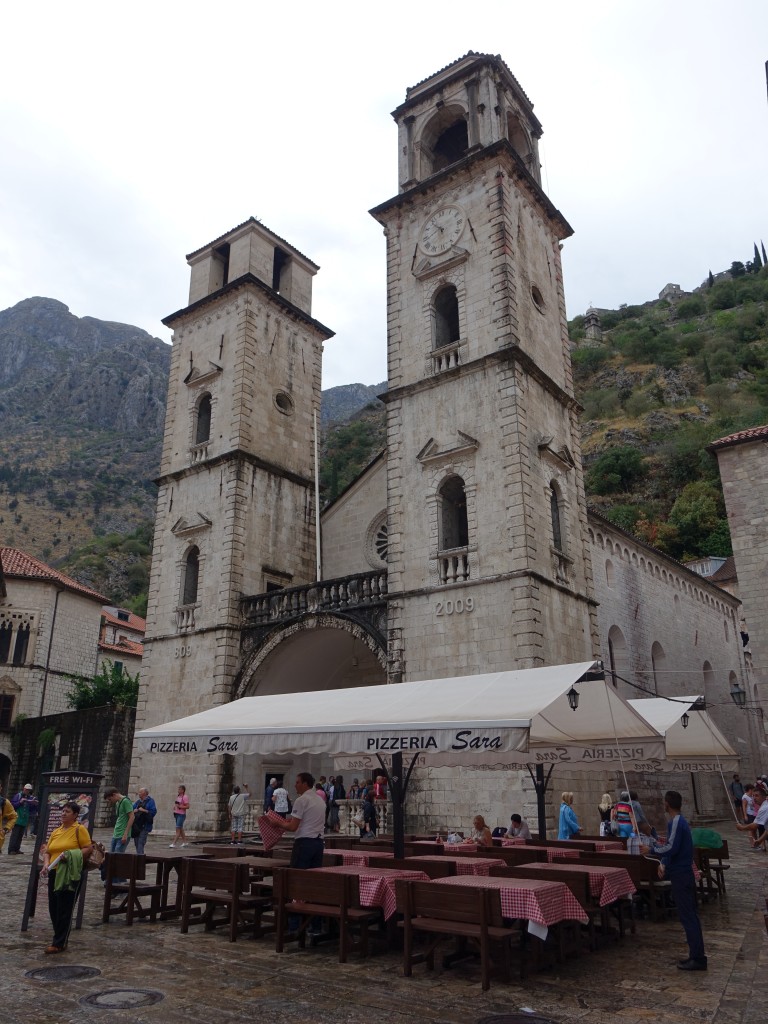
(52,625)
(476,510)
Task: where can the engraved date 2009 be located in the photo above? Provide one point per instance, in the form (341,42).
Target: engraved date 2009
(455,607)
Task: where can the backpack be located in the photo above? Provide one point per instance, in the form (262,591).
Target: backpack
(622,813)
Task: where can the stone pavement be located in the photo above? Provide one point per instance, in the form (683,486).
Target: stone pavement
(202,977)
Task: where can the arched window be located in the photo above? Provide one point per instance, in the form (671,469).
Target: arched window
(21,645)
(555,512)
(445,308)
(191,576)
(709,677)
(203,423)
(610,575)
(450,145)
(454,531)
(618,655)
(658,662)
(6,629)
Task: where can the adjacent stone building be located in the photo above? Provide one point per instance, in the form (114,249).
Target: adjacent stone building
(466,546)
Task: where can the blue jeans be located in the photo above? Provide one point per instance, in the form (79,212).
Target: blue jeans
(141,841)
(116,845)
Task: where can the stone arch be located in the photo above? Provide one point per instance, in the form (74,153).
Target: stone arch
(618,655)
(610,575)
(336,668)
(444,139)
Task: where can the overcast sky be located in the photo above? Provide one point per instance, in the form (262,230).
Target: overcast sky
(134,134)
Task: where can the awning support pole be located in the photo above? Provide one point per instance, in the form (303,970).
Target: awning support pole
(398,788)
(540,782)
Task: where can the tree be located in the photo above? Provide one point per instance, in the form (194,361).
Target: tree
(738,269)
(698,515)
(757,263)
(765,258)
(616,470)
(110,686)
(710,280)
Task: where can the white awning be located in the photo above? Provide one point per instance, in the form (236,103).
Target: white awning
(487,719)
(699,747)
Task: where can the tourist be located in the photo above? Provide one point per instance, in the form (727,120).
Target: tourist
(121,833)
(518,828)
(568,825)
(604,809)
(337,793)
(757,826)
(370,821)
(144,810)
(622,815)
(268,794)
(63,866)
(748,804)
(7,818)
(180,812)
(307,822)
(736,789)
(677,866)
(236,810)
(24,803)
(480,834)
(280,800)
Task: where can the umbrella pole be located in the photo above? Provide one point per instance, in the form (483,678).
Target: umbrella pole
(398,786)
(540,782)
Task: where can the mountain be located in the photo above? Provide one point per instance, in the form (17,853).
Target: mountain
(342,403)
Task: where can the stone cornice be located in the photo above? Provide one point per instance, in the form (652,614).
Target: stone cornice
(237,285)
(518,574)
(510,353)
(236,454)
(469,164)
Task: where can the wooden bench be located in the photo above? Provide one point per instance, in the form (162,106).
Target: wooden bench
(131,868)
(645,875)
(223,883)
(311,894)
(472,916)
(438,867)
(513,854)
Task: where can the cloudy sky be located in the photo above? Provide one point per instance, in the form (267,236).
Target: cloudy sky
(134,134)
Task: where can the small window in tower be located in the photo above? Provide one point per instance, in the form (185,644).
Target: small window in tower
(191,576)
(280,261)
(446,316)
(221,267)
(203,424)
(284,403)
(538,298)
(454,529)
(556,518)
(7,701)
(450,146)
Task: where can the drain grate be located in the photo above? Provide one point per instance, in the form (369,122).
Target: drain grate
(62,972)
(516,1018)
(122,998)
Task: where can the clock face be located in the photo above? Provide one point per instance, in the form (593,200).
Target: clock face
(442,230)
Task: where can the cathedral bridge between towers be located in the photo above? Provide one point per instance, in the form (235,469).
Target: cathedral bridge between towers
(327,634)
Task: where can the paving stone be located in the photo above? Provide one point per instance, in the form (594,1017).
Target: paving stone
(203,977)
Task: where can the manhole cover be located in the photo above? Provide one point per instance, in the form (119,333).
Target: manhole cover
(63,972)
(516,1018)
(122,998)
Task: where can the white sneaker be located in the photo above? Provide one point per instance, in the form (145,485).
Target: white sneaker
(172,846)
(183,845)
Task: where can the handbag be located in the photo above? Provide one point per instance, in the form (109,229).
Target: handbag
(95,858)
(359,819)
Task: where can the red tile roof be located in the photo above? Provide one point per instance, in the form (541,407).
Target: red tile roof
(741,437)
(124,647)
(726,572)
(134,623)
(18,564)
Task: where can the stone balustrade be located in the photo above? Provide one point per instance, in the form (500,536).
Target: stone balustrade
(348,592)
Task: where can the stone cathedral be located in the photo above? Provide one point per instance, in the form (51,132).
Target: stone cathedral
(466,546)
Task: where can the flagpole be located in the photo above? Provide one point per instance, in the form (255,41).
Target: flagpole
(317,501)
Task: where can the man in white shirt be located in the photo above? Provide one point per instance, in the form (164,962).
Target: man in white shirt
(518,829)
(307,821)
(280,801)
(760,824)
(237,804)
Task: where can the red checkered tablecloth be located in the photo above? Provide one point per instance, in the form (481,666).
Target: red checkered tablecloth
(544,903)
(605,884)
(561,853)
(377,885)
(467,865)
(513,841)
(270,833)
(360,856)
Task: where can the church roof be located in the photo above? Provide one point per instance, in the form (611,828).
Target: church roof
(19,565)
(740,437)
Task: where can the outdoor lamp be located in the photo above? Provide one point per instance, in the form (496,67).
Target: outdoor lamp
(739,696)
(684,720)
(573,698)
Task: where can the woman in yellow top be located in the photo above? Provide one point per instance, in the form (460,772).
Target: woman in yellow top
(70,835)
(7,818)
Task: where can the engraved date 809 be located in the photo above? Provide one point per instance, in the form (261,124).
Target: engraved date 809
(457,607)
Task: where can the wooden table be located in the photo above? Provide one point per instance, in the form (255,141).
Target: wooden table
(606,885)
(544,903)
(168,860)
(360,856)
(377,885)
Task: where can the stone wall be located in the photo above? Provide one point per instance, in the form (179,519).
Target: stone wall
(96,740)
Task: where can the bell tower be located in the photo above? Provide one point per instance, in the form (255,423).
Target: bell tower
(488,561)
(235,509)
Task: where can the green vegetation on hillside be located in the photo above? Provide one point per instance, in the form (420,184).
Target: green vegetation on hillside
(348,448)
